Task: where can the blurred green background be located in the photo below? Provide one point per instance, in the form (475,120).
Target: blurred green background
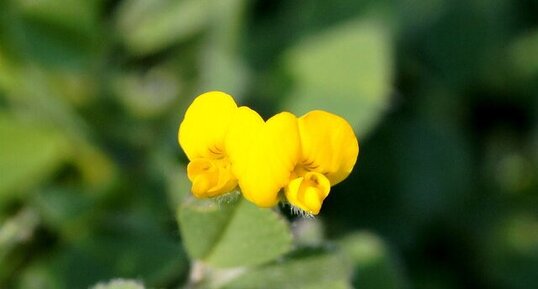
(442,94)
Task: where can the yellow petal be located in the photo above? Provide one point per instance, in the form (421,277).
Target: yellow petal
(308,192)
(243,131)
(206,121)
(210,178)
(328,145)
(263,154)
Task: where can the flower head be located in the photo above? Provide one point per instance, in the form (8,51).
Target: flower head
(229,146)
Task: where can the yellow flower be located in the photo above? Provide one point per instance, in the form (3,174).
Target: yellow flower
(263,154)
(329,150)
(202,136)
(229,146)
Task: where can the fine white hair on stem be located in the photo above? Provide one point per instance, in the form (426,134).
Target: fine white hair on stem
(300,212)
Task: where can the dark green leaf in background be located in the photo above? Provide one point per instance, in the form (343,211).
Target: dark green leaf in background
(346,70)
(149,94)
(148,26)
(524,55)
(133,248)
(28,155)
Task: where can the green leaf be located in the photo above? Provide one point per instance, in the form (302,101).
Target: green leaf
(56,34)
(511,250)
(133,246)
(67,211)
(37,275)
(32,92)
(28,154)
(234,234)
(222,67)
(223,71)
(148,26)
(346,70)
(524,55)
(330,285)
(322,270)
(119,284)
(147,95)
(76,14)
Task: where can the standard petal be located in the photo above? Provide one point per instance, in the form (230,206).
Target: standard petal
(328,145)
(206,121)
(263,154)
(243,131)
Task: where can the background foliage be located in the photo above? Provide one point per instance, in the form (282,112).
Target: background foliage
(443,96)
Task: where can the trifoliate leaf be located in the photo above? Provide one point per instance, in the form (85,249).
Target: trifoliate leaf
(233,234)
